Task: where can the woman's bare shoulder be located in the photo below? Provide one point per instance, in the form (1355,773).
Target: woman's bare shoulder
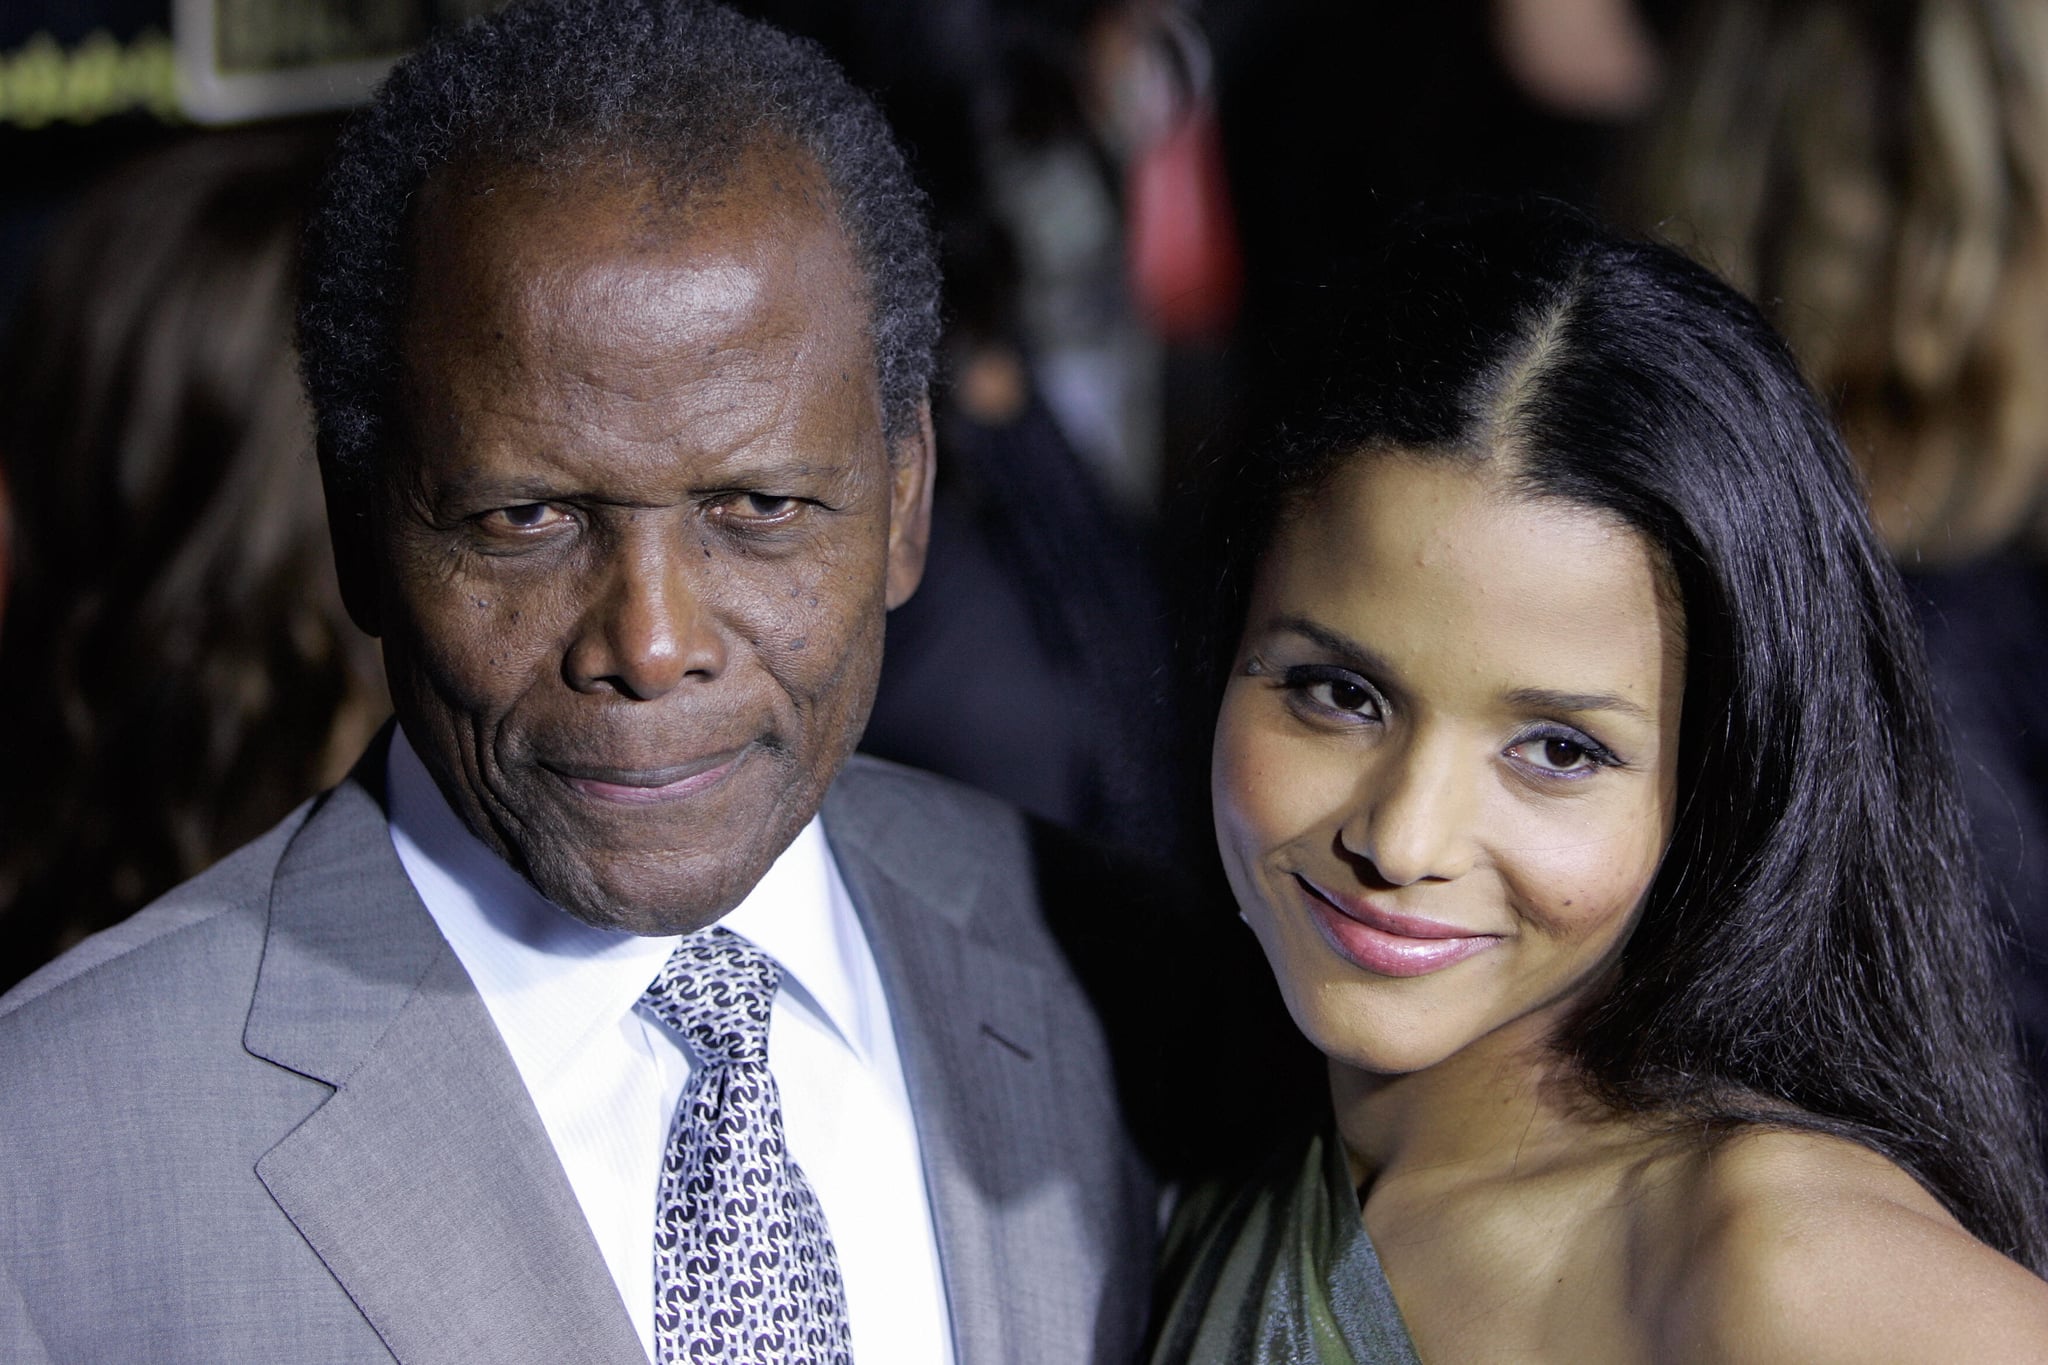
(1780,1246)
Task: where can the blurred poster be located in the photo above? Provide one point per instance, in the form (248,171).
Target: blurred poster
(253,59)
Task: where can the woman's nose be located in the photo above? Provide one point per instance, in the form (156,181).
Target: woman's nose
(1413,813)
(648,627)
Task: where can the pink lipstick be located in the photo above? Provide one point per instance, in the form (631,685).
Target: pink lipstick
(1384,942)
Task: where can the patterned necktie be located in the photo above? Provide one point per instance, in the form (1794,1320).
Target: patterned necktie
(743,1264)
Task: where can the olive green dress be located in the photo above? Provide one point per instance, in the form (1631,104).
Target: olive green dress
(1278,1272)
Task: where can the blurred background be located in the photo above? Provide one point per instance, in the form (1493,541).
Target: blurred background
(1132,196)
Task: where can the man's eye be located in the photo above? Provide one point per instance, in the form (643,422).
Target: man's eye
(525,516)
(761,506)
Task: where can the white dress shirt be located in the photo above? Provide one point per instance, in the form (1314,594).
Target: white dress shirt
(606,1075)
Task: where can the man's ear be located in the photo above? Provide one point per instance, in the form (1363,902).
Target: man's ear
(352,530)
(912,465)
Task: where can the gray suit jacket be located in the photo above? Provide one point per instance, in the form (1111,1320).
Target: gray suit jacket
(269,1119)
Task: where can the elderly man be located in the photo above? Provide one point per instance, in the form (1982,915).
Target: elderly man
(608,1011)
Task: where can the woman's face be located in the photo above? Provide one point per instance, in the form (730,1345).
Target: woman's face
(1445,766)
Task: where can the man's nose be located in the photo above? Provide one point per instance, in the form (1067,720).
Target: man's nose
(1414,812)
(647,629)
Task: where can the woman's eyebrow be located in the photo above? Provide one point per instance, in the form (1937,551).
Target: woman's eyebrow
(1344,647)
(1545,699)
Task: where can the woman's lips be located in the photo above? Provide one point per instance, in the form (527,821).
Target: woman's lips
(1387,943)
(649,786)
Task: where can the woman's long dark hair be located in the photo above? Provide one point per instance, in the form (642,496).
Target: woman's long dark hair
(1814,952)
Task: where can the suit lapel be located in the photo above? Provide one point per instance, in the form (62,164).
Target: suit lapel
(970,1025)
(426,1182)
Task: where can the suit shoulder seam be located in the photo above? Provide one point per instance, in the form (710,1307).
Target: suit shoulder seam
(21,999)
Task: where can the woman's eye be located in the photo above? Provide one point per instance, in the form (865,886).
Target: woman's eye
(1558,754)
(1340,695)
(1334,690)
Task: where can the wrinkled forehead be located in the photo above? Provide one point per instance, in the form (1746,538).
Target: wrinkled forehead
(554,266)
(538,214)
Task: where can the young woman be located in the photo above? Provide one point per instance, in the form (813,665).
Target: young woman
(1576,772)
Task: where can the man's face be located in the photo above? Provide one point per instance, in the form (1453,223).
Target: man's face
(632,564)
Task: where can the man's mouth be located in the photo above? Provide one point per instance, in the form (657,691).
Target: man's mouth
(649,786)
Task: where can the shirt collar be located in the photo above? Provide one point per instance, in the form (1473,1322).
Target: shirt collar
(553,982)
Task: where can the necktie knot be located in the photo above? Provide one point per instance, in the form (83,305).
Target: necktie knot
(716,990)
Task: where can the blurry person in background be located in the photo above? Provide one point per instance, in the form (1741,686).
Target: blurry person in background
(1877,178)
(1033,662)
(1338,115)
(177,670)
(1589,59)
